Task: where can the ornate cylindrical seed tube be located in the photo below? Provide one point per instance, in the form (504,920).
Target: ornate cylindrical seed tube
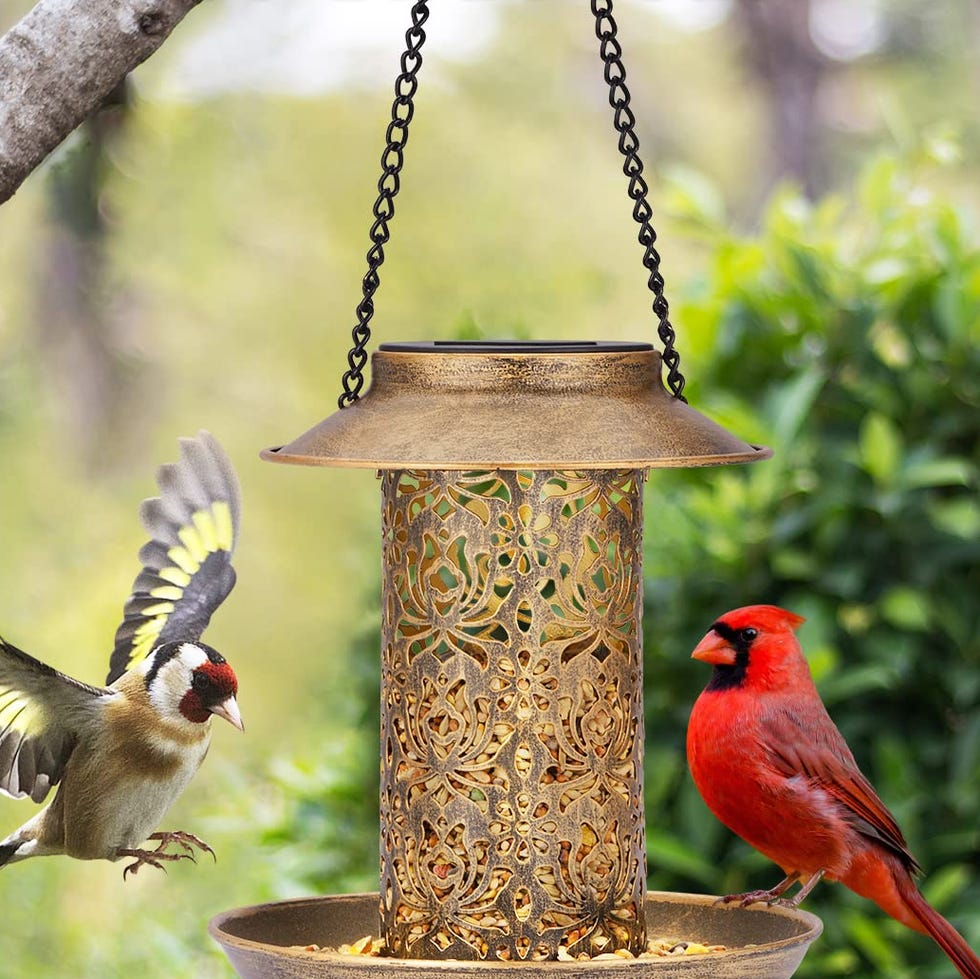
(512,713)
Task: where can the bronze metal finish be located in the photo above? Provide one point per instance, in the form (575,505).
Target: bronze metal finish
(517,406)
(512,686)
(512,713)
(261,943)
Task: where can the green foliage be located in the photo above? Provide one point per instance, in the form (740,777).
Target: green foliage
(324,834)
(847,335)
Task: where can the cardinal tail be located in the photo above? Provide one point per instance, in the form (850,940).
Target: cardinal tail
(945,935)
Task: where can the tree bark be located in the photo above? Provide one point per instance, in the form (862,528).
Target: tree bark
(59,63)
(93,385)
(791,68)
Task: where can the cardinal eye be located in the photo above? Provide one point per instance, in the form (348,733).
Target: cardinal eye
(749,634)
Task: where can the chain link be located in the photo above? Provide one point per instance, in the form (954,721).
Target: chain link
(629,145)
(392,161)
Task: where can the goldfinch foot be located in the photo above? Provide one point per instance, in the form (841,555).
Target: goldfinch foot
(188,841)
(153,858)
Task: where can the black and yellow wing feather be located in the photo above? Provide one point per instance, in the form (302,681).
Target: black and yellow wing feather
(187,571)
(43,713)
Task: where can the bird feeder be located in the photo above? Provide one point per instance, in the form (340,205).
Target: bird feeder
(512,475)
(512,678)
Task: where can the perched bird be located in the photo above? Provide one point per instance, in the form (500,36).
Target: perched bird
(771,765)
(122,754)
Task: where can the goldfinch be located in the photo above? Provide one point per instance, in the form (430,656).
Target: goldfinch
(122,754)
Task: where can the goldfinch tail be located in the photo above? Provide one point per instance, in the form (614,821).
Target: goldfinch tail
(7,851)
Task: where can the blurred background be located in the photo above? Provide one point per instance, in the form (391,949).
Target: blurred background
(191,258)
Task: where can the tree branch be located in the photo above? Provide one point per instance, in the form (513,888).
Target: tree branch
(58,64)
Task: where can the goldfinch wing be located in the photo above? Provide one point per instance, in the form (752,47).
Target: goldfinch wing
(42,714)
(187,571)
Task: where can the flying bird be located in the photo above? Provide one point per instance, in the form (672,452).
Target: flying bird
(772,766)
(121,754)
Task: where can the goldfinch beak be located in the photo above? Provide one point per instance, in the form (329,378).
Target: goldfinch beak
(228,709)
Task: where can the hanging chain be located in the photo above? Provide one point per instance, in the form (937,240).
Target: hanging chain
(629,145)
(392,161)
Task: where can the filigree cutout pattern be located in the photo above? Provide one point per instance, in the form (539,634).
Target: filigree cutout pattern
(512,714)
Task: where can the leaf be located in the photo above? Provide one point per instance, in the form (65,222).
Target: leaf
(795,563)
(886,270)
(823,661)
(855,681)
(890,345)
(689,194)
(954,309)
(669,853)
(944,885)
(811,271)
(877,187)
(943,146)
(791,403)
(958,517)
(867,933)
(879,447)
(906,608)
(948,471)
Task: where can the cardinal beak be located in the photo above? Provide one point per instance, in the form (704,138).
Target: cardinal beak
(228,709)
(714,649)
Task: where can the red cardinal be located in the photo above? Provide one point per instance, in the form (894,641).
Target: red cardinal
(772,766)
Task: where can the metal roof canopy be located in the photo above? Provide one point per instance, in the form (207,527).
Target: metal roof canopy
(516,405)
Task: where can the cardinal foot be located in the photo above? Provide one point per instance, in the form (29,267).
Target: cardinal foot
(187,841)
(773,895)
(770,896)
(752,897)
